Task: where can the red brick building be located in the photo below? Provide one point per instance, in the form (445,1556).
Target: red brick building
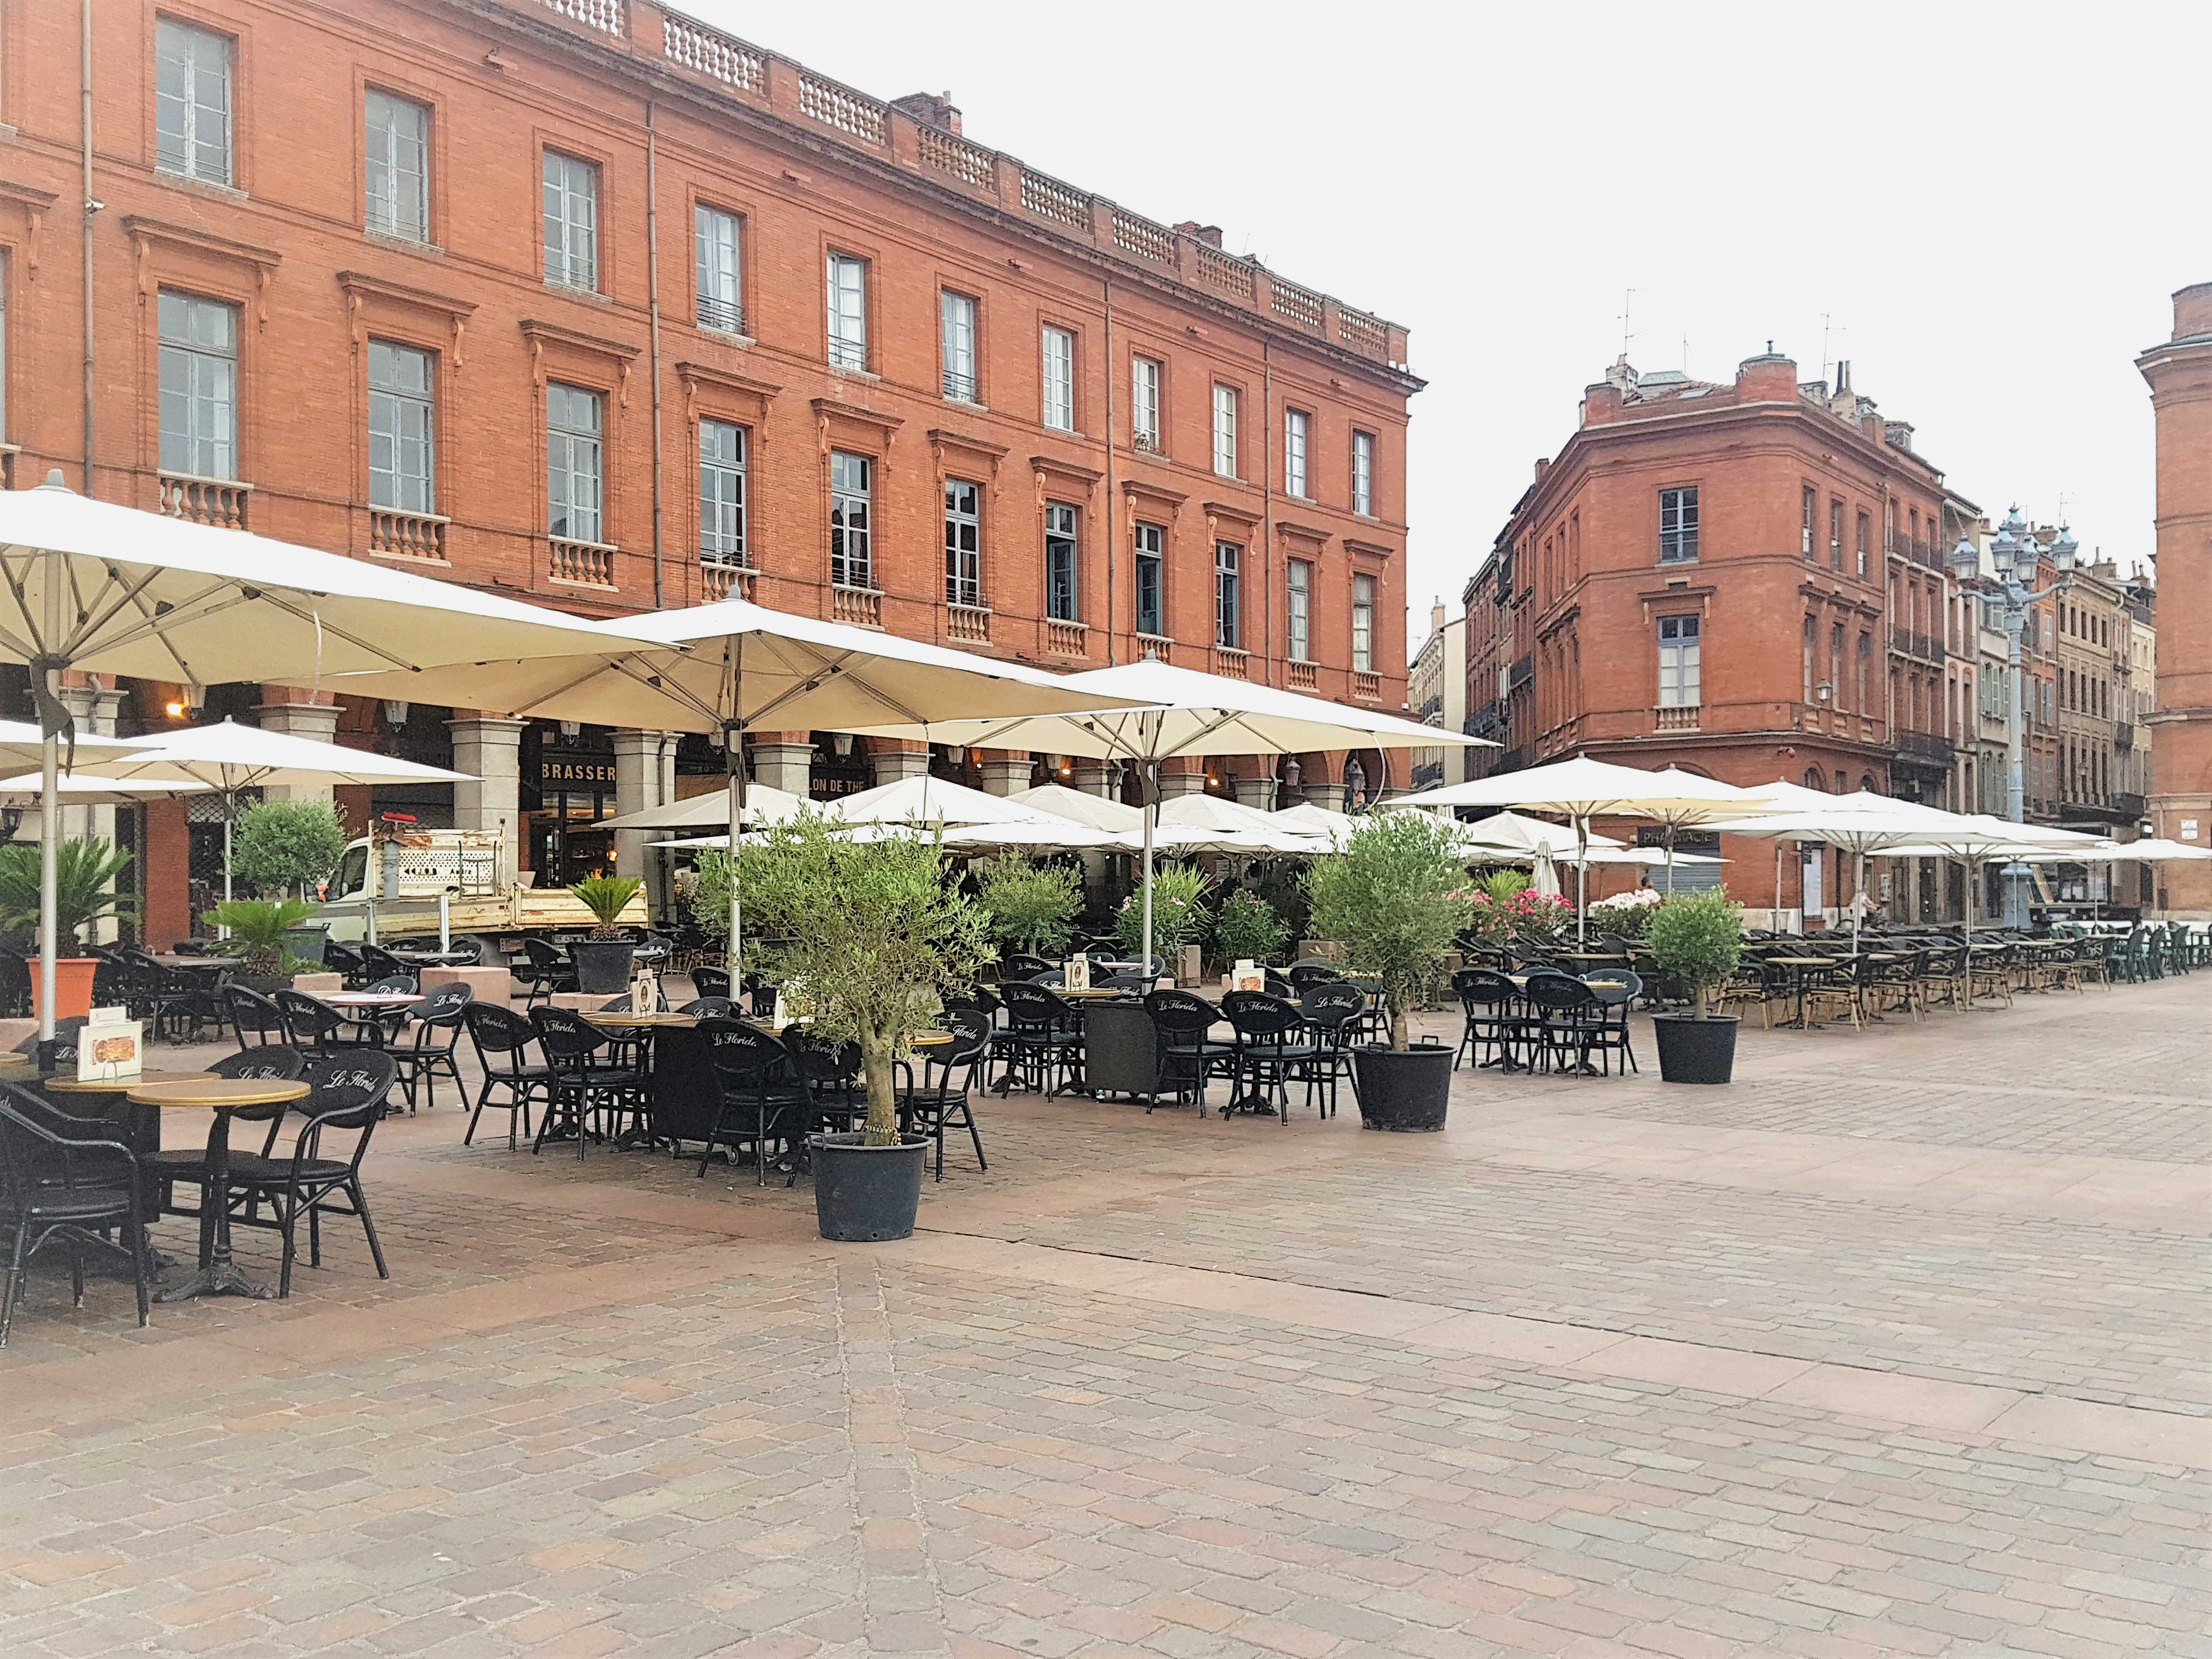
(2180,372)
(585,301)
(1746,580)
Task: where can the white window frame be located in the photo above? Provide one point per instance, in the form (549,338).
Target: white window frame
(1298,433)
(1056,383)
(1152,548)
(396,161)
(1145,374)
(847,344)
(724,448)
(198,417)
(1362,624)
(1362,474)
(1228,596)
(1063,561)
(1681,525)
(571,201)
(718,268)
(852,520)
(963,543)
(1298,610)
(575,463)
(1225,400)
(956,329)
(403,427)
(194,138)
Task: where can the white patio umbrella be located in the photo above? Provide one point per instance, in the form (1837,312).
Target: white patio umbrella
(1517,832)
(1860,823)
(91,586)
(77,789)
(1185,713)
(1977,839)
(934,802)
(1338,827)
(1582,789)
(734,667)
(1080,806)
(764,804)
(1213,824)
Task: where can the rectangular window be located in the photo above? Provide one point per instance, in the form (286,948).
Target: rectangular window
(1151,579)
(4,345)
(1224,431)
(956,317)
(716,271)
(1062,600)
(191,101)
(1297,614)
(1362,624)
(1810,503)
(848,312)
(1362,474)
(398,166)
(1228,618)
(1059,347)
(402,427)
(199,386)
(852,527)
(574,464)
(1678,525)
(963,543)
(1836,663)
(572,221)
(1835,534)
(1296,427)
(1678,662)
(1144,404)
(1866,535)
(721,493)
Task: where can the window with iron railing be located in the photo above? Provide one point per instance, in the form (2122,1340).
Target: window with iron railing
(397,170)
(719,271)
(572,221)
(956,315)
(963,543)
(848,312)
(722,446)
(191,101)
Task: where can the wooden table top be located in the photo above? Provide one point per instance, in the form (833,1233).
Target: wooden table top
(623,1018)
(120,1086)
(217,1094)
(171,959)
(1807,961)
(371,998)
(930,1039)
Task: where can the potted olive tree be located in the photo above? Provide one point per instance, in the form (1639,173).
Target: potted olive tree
(603,960)
(85,874)
(867,938)
(284,849)
(1032,906)
(1395,898)
(1696,939)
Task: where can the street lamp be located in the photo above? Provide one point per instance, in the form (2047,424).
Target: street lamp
(2016,556)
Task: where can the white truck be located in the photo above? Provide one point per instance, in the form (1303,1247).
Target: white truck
(399,883)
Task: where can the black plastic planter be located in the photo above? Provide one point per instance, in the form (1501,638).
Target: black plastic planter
(1694,1050)
(862,1194)
(602,966)
(1405,1092)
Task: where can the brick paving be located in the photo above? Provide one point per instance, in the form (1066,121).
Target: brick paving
(1871,1353)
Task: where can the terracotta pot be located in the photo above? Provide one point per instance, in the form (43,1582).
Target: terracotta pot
(72,987)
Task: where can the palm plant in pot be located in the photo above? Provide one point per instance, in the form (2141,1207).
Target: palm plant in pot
(86,871)
(867,940)
(603,960)
(1696,939)
(1396,900)
(262,932)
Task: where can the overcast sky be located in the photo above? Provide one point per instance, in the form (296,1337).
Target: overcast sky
(1989,205)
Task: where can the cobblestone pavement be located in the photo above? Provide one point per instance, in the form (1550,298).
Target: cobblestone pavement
(1874,1352)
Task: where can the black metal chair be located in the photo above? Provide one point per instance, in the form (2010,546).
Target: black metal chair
(437,1019)
(711,982)
(1042,1040)
(545,969)
(1566,1019)
(188,1001)
(1494,1031)
(382,966)
(348,1094)
(255,1020)
(344,959)
(1024,965)
(832,1077)
(765,1102)
(503,1039)
(941,1100)
(62,1188)
(1185,1058)
(1332,1010)
(1615,990)
(1271,1052)
(1304,976)
(312,1025)
(717,1007)
(584,1081)
(14,984)
(174,1164)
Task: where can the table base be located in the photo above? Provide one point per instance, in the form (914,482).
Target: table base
(217,1278)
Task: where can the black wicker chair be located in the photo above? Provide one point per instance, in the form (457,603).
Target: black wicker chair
(503,1039)
(765,1100)
(582,1083)
(348,1092)
(943,1098)
(437,1019)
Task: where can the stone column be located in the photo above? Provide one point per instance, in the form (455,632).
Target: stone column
(1180,782)
(290,709)
(890,760)
(785,761)
(1331,796)
(1100,778)
(645,775)
(1006,777)
(489,748)
(1258,794)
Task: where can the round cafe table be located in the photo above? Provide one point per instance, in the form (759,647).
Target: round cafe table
(222,1097)
(141,1125)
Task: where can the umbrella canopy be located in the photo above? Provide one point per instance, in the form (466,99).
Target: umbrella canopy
(77,789)
(92,586)
(1978,839)
(927,801)
(1306,817)
(2150,850)
(764,804)
(24,744)
(1229,826)
(1080,806)
(1517,832)
(1183,712)
(735,666)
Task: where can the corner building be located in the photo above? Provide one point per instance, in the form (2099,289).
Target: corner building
(588,303)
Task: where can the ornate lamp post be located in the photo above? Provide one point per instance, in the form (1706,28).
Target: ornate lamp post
(2017,556)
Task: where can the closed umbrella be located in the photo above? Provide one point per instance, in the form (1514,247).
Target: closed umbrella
(91,586)
(1172,711)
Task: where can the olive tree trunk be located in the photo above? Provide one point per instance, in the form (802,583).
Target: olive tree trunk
(883,1103)
(1401,1036)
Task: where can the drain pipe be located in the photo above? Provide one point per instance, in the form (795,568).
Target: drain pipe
(1113,541)
(1267,502)
(89,206)
(653,336)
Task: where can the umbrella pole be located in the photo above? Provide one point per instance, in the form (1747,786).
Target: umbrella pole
(1667,838)
(230,804)
(49,857)
(1581,883)
(734,751)
(1778,887)
(1859,892)
(1152,815)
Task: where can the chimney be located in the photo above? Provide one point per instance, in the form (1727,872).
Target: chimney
(1898,434)
(1209,235)
(932,109)
(1770,377)
(1601,404)
(1436,617)
(1543,465)
(2192,311)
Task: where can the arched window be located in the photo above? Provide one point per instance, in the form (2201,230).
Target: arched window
(1815,778)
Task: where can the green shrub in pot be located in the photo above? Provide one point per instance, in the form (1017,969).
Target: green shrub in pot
(286,846)
(86,871)
(1248,929)
(258,928)
(1032,906)
(1696,939)
(1396,898)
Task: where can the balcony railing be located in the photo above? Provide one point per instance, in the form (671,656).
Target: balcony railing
(1366,686)
(1230,663)
(1934,555)
(722,580)
(1155,645)
(219,502)
(1067,639)
(728,315)
(1675,717)
(2123,735)
(863,607)
(960,387)
(969,624)
(2127,801)
(398,535)
(1907,642)
(585,564)
(1925,746)
(1301,676)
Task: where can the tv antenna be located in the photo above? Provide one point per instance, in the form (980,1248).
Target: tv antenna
(1627,302)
